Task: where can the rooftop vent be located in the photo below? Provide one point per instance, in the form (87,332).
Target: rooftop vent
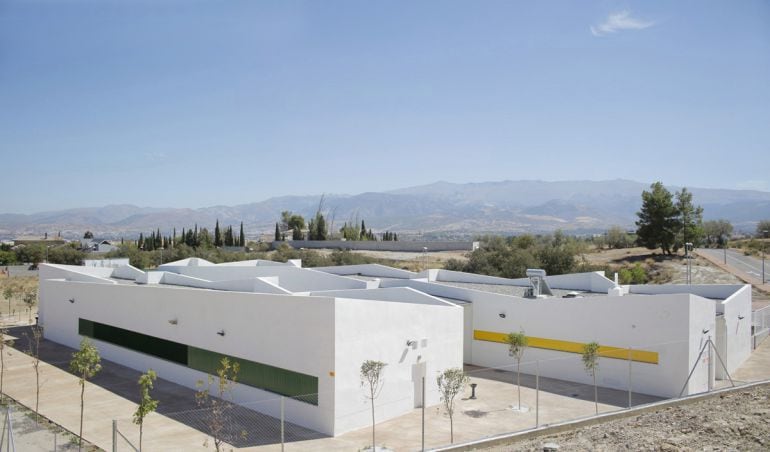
(538,286)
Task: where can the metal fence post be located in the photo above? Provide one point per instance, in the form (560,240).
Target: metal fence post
(537,394)
(423,416)
(711,367)
(283,420)
(114,435)
(630,373)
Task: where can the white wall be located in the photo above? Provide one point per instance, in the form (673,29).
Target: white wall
(661,324)
(736,311)
(270,329)
(379,331)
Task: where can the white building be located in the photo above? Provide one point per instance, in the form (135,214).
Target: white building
(295,332)
(304,333)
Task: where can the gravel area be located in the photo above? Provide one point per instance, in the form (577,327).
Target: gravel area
(738,421)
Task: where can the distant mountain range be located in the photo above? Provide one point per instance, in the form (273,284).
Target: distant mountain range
(440,209)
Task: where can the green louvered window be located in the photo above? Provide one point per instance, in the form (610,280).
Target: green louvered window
(263,376)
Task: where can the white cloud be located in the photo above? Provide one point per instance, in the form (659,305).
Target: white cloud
(619,21)
(155,156)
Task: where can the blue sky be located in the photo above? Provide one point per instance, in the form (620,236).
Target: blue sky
(196,103)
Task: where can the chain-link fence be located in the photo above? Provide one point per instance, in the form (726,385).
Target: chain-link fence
(23,431)
(496,401)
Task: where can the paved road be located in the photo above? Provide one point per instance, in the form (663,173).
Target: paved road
(736,259)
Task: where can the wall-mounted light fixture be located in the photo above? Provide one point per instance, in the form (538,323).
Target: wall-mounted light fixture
(411,343)
(502,315)
(706,330)
(173,321)
(740,317)
(72,300)
(221,332)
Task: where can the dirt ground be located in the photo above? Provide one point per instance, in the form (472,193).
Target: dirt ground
(736,421)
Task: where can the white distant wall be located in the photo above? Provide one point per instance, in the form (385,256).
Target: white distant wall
(291,278)
(373,270)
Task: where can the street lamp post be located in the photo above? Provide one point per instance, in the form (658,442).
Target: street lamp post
(764,235)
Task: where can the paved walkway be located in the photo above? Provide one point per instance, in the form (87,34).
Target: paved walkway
(179,426)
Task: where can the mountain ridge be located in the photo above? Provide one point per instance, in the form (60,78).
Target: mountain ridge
(508,207)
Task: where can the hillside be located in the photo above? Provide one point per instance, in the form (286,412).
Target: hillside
(441,208)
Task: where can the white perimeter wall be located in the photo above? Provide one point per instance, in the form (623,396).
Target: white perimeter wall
(270,329)
(379,330)
(665,324)
(737,340)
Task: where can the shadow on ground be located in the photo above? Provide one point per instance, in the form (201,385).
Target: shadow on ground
(243,427)
(606,396)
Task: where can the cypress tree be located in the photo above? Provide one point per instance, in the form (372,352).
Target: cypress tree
(242,238)
(277,233)
(217,235)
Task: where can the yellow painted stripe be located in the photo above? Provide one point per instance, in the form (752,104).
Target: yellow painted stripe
(605,351)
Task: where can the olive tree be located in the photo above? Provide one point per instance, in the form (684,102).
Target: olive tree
(33,339)
(8,293)
(451,382)
(30,299)
(591,365)
(371,380)
(218,406)
(146,403)
(85,363)
(517,344)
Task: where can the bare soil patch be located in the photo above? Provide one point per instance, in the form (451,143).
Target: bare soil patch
(736,421)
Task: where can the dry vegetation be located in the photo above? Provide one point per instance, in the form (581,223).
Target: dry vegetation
(20,285)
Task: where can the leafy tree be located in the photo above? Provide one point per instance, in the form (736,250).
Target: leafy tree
(218,406)
(146,403)
(763,226)
(88,235)
(451,382)
(85,363)
(658,219)
(34,351)
(30,299)
(8,293)
(32,254)
(517,344)
(66,255)
(690,220)
(591,365)
(3,343)
(633,275)
(217,235)
(7,257)
(717,232)
(617,238)
(371,380)
(296,233)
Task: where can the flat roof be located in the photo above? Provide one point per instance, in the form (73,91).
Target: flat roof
(514,291)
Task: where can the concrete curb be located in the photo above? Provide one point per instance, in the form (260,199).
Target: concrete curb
(510,438)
